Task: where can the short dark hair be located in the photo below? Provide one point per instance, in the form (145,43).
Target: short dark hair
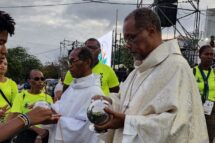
(31,71)
(85,54)
(93,39)
(145,17)
(7,23)
(203,48)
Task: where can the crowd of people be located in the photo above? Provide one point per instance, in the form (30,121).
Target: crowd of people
(161,100)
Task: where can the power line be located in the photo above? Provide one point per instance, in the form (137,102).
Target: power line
(43,5)
(76,3)
(31,42)
(48,51)
(65,4)
(113,3)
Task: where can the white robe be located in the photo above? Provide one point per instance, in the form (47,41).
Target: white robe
(73,125)
(165,105)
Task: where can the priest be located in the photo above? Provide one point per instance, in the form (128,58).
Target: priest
(73,125)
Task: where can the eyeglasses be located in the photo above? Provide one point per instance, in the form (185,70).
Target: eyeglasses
(70,62)
(130,38)
(38,78)
(92,47)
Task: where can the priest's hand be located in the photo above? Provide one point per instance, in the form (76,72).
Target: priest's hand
(54,119)
(116,121)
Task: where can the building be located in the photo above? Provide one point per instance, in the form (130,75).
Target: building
(210,23)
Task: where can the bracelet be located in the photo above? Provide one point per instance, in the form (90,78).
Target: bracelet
(25,119)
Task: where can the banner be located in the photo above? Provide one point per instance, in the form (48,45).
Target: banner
(106,48)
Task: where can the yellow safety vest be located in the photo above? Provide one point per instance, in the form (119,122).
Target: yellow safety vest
(203,81)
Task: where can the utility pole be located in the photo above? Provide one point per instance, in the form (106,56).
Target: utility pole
(115,41)
(62,50)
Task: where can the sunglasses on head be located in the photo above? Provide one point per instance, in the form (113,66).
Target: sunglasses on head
(38,78)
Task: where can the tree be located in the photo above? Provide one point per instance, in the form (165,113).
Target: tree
(20,63)
(122,56)
(51,70)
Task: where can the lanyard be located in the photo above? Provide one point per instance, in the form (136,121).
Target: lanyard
(206,86)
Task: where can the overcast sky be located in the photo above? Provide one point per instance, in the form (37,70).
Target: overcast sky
(40,29)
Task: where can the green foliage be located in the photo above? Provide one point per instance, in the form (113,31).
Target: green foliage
(51,70)
(20,63)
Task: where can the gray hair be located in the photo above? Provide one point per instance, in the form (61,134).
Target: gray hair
(145,17)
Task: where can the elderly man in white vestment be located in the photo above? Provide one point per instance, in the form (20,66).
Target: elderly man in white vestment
(73,125)
(159,102)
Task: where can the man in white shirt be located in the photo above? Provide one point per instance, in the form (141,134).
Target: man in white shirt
(73,125)
(159,102)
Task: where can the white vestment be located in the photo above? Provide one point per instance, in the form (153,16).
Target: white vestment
(161,101)
(58,87)
(73,125)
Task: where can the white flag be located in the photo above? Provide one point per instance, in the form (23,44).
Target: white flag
(106,48)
